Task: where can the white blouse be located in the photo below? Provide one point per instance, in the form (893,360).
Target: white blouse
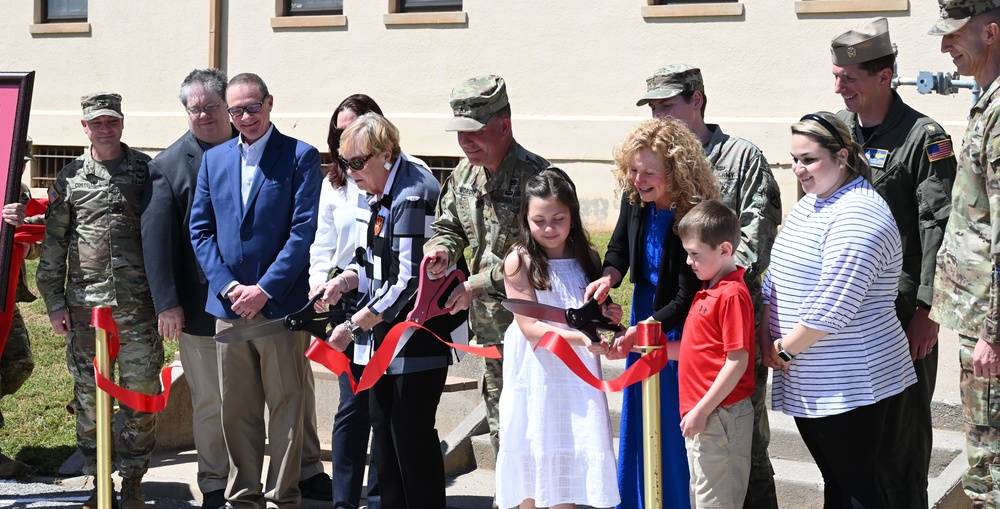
(335,241)
(835,266)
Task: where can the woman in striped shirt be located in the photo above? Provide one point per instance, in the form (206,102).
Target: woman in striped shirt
(837,348)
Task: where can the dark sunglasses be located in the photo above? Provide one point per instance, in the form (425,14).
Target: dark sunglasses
(355,164)
(237,111)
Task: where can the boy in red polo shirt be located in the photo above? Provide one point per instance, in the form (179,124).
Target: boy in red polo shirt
(716,360)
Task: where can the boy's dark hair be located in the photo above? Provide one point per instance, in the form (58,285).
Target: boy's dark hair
(554,183)
(712,223)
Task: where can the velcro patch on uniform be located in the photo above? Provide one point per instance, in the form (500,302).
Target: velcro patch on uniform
(54,196)
(939,150)
(876,157)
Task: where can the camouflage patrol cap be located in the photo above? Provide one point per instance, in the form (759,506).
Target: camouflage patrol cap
(956,13)
(475,100)
(671,80)
(101,103)
(867,41)
(27,149)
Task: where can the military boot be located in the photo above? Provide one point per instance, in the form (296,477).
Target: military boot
(132,493)
(91,502)
(11,468)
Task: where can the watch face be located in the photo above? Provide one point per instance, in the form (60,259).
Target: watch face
(784,356)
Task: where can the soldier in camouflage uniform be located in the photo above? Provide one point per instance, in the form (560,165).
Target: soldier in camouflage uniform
(478,208)
(749,188)
(16,362)
(93,237)
(966,284)
(913,167)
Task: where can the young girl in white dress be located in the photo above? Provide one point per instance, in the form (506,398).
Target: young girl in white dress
(555,442)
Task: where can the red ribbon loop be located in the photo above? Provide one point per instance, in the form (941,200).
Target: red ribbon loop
(101,319)
(647,365)
(338,363)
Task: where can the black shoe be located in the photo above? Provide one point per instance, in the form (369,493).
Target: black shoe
(214,500)
(317,487)
(91,502)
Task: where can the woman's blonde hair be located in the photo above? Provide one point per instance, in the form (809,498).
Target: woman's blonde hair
(688,173)
(371,133)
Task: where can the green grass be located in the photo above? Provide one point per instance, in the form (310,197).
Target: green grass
(39,430)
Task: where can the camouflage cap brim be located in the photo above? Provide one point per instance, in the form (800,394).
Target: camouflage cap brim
(466,124)
(97,113)
(945,26)
(659,93)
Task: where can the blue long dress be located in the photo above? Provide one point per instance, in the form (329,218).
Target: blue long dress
(676,479)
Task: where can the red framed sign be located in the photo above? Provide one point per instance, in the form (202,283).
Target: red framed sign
(15,103)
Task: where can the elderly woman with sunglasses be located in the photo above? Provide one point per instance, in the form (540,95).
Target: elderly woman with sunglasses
(837,348)
(393,224)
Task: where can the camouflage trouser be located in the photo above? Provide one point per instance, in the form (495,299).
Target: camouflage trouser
(16,363)
(981,412)
(492,384)
(760,489)
(139,362)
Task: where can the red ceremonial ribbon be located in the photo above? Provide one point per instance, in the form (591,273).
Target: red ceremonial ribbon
(24,236)
(338,363)
(647,365)
(101,318)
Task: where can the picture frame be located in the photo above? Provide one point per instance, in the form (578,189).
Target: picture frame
(15,105)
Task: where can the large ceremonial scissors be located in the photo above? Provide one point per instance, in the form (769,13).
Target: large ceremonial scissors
(319,324)
(588,319)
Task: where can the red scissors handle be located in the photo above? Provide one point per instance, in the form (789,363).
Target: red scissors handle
(433,293)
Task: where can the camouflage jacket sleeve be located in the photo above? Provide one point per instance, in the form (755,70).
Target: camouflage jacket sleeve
(51,274)
(934,180)
(991,325)
(760,214)
(447,226)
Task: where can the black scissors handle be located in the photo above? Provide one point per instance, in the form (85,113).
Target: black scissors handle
(319,324)
(590,318)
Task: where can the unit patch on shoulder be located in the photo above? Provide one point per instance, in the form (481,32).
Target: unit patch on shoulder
(877,157)
(939,150)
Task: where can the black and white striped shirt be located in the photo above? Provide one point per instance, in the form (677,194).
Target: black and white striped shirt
(835,267)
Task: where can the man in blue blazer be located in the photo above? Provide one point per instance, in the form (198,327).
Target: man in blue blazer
(252,221)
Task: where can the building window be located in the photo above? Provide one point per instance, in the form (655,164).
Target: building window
(848,6)
(672,2)
(61,11)
(429,5)
(49,160)
(691,8)
(441,166)
(313,7)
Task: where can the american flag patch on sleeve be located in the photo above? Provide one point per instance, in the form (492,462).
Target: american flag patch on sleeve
(939,150)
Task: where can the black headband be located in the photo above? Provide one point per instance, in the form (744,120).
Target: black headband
(829,127)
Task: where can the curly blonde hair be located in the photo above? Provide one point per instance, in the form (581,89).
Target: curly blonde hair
(689,174)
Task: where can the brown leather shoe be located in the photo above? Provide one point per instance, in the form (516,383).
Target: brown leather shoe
(132,493)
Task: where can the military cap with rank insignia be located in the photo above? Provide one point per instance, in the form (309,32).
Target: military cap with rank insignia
(672,80)
(956,13)
(474,102)
(865,42)
(101,103)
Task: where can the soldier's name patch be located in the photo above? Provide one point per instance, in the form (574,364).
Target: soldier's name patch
(877,157)
(940,150)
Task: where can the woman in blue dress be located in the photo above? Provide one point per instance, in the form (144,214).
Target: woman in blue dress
(662,173)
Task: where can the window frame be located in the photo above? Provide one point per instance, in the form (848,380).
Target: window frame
(283,18)
(41,25)
(849,6)
(397,16)
(692,9)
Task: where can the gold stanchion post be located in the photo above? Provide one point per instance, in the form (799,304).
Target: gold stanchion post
(650,339)
(105,487)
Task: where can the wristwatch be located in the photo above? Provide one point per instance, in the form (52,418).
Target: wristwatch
(354,330)
(785,356)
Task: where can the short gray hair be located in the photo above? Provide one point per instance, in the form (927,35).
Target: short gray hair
(212,80)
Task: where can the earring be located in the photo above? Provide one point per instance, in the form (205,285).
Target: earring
(842,167)
(388,167)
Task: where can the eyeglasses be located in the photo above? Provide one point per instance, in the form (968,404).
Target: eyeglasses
(237,111)
(355,164)
(194,111)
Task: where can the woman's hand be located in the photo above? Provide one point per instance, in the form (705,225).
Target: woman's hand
(776,361)
(331,292)
(623,343)
(339,338)
(598,289)
(613,312)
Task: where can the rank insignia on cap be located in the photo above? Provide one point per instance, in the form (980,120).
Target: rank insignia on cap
(940,150)
(852,52)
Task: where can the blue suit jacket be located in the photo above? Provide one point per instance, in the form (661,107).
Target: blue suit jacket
(267,241)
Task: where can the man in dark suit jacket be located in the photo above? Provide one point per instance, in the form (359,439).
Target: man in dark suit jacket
(252,221)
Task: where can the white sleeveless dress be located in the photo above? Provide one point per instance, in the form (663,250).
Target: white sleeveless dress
(555,431)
